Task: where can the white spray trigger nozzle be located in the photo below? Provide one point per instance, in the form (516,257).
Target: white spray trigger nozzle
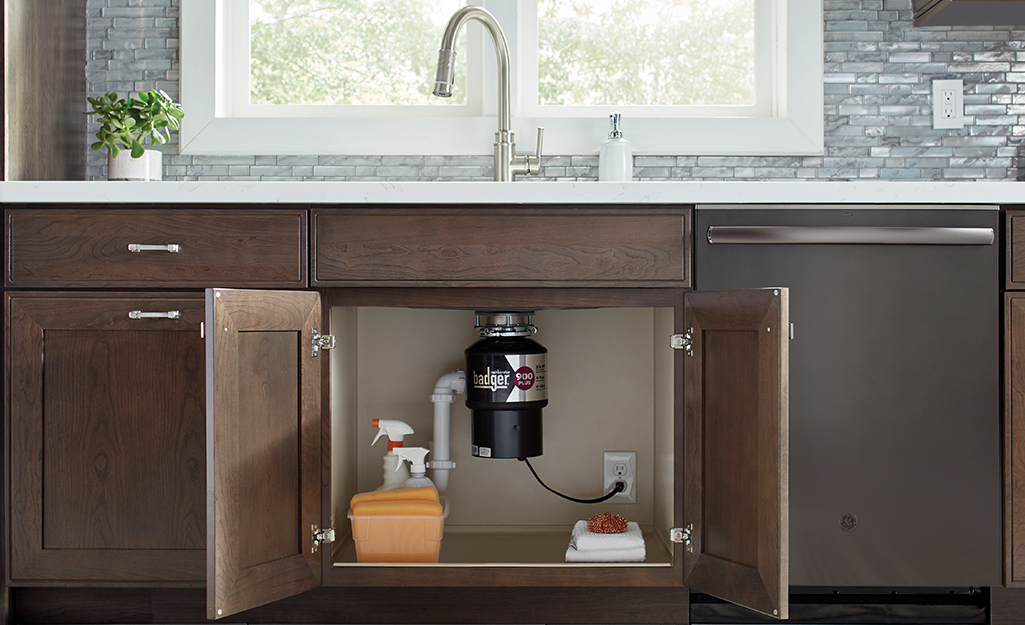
(416,456)
(393,428)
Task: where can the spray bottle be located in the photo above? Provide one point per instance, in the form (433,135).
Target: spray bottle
(395,471)
(416,456)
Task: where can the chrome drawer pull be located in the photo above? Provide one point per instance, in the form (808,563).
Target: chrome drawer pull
(174,248)
(138,314)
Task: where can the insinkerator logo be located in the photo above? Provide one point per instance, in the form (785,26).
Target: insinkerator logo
(497,380)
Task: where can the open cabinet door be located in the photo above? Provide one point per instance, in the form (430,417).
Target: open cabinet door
(735,500)
(263,447)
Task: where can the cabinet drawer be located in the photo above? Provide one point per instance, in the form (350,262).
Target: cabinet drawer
(175,247)
(503,246)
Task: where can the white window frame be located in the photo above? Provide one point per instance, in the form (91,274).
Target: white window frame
(793,124)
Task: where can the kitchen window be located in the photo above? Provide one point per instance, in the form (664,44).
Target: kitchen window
(245,92)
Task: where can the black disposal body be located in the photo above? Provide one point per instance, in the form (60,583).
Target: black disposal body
(506,375)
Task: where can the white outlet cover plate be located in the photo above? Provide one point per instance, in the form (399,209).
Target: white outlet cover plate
(939,120)
(628,458)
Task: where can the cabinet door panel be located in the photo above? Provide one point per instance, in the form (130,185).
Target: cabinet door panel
(1014,439)
(736,447)
(263,447)
(107,466)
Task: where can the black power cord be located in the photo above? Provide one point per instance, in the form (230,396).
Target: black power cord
(618,487)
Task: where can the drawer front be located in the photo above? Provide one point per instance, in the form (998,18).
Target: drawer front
(155,247)
(492,246)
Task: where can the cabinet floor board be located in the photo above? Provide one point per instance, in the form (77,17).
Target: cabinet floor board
(467,547)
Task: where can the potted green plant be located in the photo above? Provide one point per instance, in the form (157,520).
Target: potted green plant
(125,123)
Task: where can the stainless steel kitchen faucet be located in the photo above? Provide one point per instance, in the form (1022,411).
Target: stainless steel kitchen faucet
(507,164)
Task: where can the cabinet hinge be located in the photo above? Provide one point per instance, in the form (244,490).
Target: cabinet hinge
(322,536)
(682,535)
(322,341)
(683,341)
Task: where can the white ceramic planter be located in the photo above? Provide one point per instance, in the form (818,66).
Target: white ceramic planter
(124,167)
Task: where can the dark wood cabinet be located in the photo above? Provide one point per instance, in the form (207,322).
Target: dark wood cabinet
(106,396)
(733,522)
(143,455)
(106,431)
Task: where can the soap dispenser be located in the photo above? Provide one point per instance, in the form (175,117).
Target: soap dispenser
(615,157)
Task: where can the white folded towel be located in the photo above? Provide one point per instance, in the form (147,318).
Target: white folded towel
(588,546)
(635,554)
(583,539)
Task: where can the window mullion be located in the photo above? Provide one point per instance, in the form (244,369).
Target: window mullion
(237,59)
(527,91)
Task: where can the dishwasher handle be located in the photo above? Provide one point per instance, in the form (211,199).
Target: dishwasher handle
(849,235)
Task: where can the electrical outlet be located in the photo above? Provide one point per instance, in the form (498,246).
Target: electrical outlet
(947,104)
(621,466)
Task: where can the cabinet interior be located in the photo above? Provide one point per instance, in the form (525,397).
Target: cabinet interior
(611,388)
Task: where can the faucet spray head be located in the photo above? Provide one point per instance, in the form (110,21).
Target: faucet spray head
(446,67)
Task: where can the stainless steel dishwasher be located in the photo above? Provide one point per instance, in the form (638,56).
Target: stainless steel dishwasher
(894,383)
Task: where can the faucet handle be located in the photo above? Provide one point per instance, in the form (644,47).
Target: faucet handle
(528,164)
(531,164)
(537,154)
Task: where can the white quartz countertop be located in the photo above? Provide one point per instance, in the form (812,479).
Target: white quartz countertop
(520,192)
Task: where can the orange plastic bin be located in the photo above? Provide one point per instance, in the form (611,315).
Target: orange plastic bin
(398,538)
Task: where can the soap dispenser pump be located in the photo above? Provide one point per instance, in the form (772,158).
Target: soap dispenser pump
(615,157)
(416,457)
